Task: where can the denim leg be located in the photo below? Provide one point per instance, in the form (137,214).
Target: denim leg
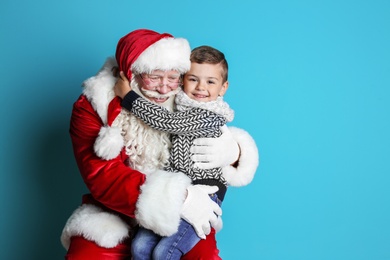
(180,243)
(143,244)
(214,197)
(173,247)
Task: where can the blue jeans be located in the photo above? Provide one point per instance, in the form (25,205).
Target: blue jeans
(147,245)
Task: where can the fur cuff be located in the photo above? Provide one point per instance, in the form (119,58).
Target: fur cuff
(160,202)
(105,229)
(247,163)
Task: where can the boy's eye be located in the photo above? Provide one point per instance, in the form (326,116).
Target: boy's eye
(211,82)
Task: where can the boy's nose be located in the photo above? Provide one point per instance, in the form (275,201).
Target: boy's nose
(200,86)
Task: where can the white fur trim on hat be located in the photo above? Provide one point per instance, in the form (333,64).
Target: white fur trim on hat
(248,161)
(165,54)
(105,229)
(109,142)
(160,202)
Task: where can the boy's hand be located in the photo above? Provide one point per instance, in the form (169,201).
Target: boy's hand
(122,86)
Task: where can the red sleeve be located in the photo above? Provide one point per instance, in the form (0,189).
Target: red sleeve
(112,183)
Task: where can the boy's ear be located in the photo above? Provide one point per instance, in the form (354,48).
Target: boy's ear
(224,88)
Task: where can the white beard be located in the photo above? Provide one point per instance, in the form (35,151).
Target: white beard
(147,148)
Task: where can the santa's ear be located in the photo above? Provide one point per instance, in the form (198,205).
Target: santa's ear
(115,71)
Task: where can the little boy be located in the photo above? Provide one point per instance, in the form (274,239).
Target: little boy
(201,113)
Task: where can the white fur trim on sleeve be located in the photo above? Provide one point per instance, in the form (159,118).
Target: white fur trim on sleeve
(105,229)
(247,163)
(109,142)
(160,202)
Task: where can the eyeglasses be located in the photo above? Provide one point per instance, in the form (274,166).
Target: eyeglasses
(156,81)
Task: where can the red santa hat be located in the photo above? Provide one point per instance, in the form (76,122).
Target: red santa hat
(143,51)
(140,51)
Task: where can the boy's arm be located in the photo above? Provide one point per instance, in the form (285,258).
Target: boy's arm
(195,122)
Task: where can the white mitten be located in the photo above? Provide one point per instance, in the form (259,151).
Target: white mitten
(218,226)
(200,211)
(215,152)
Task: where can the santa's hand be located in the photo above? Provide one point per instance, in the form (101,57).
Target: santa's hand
(122,86)
(199,210)
(215,152)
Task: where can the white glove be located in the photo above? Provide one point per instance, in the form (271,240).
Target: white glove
(200,211)
(215,152)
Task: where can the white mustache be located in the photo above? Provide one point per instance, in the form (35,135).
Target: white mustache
(155,94)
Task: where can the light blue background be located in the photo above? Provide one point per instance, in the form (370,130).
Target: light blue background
(310,80)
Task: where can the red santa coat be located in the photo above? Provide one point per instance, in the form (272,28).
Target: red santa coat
(115,188)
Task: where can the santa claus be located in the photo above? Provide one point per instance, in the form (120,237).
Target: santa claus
(116,154)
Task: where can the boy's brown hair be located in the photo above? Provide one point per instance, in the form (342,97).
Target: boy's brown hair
(210,55)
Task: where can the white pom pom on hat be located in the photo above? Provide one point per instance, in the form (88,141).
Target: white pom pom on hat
(109,142)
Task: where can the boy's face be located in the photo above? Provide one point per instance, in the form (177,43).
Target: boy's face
(204,82)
